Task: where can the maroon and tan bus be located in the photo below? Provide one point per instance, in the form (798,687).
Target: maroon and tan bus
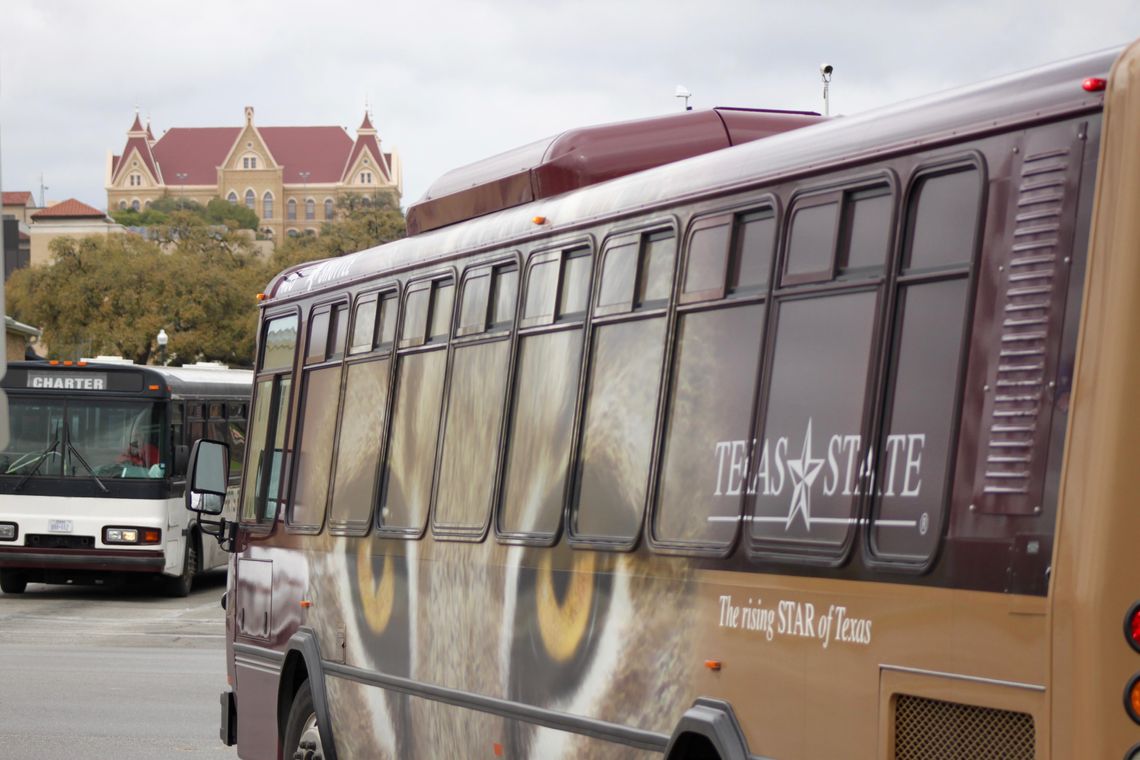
(731,434)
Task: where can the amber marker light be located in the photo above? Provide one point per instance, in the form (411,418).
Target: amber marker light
(713,665)
(260,296)
(153,387)
(1132,698)
(1094,84)
(539,220)
(1132,626)
(81,364)
(306,604)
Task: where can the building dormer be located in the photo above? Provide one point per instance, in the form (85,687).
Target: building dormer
(366,166)
(136,167)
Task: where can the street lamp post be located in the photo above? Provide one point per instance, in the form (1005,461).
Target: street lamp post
(181,176)
(162,339)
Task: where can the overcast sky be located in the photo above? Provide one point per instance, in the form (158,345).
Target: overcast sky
(452,82)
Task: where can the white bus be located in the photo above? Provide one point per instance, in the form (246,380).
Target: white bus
(91,481)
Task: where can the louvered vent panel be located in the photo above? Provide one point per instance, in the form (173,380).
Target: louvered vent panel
(1031,301)
(930,729)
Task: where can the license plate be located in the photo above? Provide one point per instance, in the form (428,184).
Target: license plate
(60,526)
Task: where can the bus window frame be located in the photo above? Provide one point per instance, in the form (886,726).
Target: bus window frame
(489,334)
(560,251)
(330,359)
(760,552)
(397,352)
(702,301)
(600,316)
(264,526)
(905,211)
(376,352)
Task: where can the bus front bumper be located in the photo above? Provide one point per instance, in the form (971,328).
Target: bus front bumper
(98,560)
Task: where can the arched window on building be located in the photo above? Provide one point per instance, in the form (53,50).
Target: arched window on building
(292,233)
(123,205)
(250,199)
(267,205)
(310,209)
(328,208)
(291,209)
(135,204)
(232,197)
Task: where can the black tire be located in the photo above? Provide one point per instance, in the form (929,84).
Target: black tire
(180,586)
(302,735)
(12,582)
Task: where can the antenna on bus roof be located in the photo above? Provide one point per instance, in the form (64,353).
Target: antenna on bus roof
(683,92)
(825,70)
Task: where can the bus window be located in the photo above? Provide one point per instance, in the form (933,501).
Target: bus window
(620,408)
(386,330)
(915,454)
(470,444)
(475,301)
(656,270)
(338,332)
(944,221)
(575,293)
(358,445)
(268,454)
(542,407)
(320,397)
(619,271)
(813,418)
(710,412)
(707,263)
(504,295)
(413,433)
(867,226)
(811,242)
(752,260)
(363,326)
(542,285)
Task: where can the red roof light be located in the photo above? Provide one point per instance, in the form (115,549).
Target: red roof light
(1094,84)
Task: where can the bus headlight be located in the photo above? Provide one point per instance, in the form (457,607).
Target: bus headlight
(131,535)
(8,531)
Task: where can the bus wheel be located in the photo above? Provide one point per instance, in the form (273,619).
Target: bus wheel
(180,585)
(302,737)
(12,583)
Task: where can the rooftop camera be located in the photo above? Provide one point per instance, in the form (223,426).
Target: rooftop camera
(825,69)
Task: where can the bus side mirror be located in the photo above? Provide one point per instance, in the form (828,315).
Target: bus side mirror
(208,474)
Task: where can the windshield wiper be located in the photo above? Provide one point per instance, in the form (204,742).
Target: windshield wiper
(37,460)
(75,452)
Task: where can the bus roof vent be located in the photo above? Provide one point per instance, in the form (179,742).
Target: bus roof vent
(206,365)
(587,156)
(107,360)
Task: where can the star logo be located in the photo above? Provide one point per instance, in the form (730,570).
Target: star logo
(803,472)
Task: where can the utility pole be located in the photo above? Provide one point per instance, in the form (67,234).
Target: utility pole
(43,189)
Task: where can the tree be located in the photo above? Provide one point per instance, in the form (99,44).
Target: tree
(217,212)
(361,222)
(112,295)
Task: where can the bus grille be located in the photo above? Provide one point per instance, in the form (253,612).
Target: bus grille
(46,541)
(930,729)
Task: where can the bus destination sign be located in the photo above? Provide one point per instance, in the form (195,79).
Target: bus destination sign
(86,381)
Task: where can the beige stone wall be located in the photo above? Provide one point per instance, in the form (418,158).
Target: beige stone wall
(42,233)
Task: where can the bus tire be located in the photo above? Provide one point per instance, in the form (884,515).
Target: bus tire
(302,734)
(12,582)
(179,586)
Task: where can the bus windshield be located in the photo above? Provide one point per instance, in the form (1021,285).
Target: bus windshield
(52,438)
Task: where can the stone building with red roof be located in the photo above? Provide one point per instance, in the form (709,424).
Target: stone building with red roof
(290,176)
(19,205)
(69,218)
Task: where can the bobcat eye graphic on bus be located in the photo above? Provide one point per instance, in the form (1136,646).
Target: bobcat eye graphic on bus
(843,468)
